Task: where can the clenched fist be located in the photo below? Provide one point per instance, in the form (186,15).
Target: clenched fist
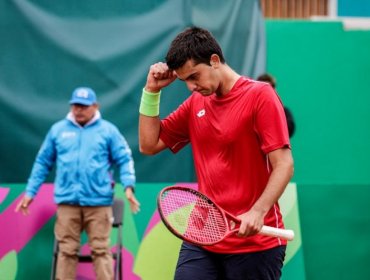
(159,76)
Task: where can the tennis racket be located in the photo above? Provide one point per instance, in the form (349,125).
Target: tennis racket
(192,216)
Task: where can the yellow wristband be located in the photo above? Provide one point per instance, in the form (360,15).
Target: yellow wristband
(149,105)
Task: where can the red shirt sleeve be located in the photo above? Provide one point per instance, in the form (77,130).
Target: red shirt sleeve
(270,121)
(175,127)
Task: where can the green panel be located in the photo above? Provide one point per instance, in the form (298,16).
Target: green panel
(9,266)
(295,268)
(159,250)
(155,253)
(294,261)
(35,259)
(147,194)
(335,231)
(289,208)
(129,232)
(322,75)
(14,191)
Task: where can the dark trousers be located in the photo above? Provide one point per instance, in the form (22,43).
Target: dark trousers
(196,263)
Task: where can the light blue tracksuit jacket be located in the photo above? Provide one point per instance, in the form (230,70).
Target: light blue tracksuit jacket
(84,158)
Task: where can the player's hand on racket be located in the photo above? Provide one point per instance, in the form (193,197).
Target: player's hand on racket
(23,205)
(251,223)
(159,76)
(134,203)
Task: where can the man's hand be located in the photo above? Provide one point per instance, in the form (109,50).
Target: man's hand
(134,203)
(159,76)
(23,205)
(251,223)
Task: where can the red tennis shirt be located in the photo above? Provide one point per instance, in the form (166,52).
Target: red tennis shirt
(231,137)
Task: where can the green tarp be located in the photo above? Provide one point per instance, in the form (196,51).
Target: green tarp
(48,48)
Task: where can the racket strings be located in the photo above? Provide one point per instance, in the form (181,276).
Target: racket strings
(193,216)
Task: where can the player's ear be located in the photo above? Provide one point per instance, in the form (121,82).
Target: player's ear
(214,61)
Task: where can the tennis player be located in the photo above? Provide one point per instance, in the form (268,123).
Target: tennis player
(240,143)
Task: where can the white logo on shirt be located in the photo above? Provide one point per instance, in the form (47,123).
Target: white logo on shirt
(68,134)
(201,113)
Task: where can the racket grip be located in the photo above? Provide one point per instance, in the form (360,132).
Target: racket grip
(286,234)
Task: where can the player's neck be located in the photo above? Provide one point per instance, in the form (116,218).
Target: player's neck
(229,78)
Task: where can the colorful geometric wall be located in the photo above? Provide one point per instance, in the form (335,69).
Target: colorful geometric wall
(150,251)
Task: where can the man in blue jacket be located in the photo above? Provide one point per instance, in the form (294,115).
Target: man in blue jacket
(83,146)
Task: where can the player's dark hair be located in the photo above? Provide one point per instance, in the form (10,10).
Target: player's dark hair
(193,43)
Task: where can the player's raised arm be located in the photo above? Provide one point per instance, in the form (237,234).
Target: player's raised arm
(159,76)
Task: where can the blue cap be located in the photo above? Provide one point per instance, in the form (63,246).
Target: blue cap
(83,95)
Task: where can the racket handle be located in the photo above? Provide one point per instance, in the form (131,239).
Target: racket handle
(287,234)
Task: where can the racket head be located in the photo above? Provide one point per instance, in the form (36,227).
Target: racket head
(191,216)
